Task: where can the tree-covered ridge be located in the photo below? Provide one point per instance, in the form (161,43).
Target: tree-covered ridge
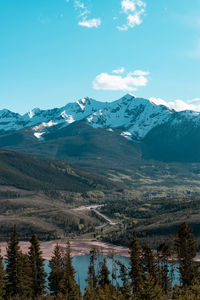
(36,174)
(150,275)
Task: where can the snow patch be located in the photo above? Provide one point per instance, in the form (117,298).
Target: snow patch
(34,112)
(90,119)
(38,135)
(127,135)
(70,119)
(44,125)
(64,115)
(81,105)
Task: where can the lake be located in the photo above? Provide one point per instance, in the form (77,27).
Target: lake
(81,264)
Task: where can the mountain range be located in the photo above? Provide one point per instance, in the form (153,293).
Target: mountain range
(119,133)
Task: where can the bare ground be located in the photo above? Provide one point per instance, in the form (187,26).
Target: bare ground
(78,247)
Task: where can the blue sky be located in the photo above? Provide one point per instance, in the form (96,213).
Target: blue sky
(56,51)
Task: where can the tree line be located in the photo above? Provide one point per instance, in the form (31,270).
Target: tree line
(149,276)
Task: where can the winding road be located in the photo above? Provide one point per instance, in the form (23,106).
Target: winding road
(94,209)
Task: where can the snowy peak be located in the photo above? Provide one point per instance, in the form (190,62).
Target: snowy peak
(34,112)
(135,117)
(64,116)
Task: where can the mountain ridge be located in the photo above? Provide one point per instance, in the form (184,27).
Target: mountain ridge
(89,132)
(136,115)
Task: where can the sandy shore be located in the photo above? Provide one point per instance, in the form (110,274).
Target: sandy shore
(78,248)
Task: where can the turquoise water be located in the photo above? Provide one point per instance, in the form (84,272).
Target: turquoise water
(81,264)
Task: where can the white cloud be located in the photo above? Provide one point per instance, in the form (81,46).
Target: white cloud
(128,6)
(139,73)
(119,71)
(79,4)
(105,81)
(90,23)
(134,11)
(179,105)
(83,14)
(194,101)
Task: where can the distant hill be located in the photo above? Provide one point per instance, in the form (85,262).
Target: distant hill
(38,195)
(32,173)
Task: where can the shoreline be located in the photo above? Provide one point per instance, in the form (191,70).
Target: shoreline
(78,248)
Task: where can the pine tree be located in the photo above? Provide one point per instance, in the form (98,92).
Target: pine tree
(148,260)
(25,275)
(104,275)
(136,264)
(164,253)
(186,248)
(126,287)
(92,278)
(56,276)
(2,280)
(38,274)
(13,273)
(149,289)
(188,292)
(71,289)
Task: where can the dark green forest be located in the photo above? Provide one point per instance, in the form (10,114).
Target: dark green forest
(150,275)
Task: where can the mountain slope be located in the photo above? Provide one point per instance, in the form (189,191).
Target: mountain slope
(28,172)
(78,143)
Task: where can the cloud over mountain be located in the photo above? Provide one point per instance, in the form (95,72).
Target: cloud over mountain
(117,82)
(179,105)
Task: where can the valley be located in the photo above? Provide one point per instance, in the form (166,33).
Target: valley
(116,157)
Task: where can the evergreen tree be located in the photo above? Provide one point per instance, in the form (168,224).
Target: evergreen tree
(104,275)
(92,278)
(71,289)
(164,253)
(191,292)
(56,276)
(186,248)
(149,289)
(2,280)
(38,274)
(126,287)
(136,264)
(148,260)
(13,268)
(103,293)
(25,289)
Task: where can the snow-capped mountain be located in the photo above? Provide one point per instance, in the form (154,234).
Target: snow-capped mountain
(41,120)
(135,117)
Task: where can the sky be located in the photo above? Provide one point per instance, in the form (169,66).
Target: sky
(56,51)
